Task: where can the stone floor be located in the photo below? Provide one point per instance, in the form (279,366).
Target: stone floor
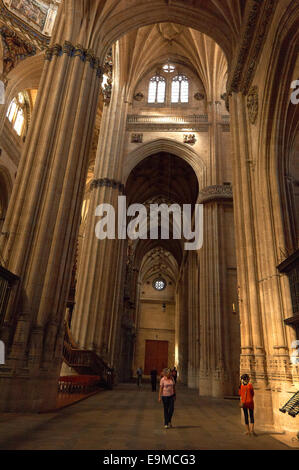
(129,418)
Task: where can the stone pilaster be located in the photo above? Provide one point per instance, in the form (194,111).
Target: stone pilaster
(253,353)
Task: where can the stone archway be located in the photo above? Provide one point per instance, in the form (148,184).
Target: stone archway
(170,146)
(222,22)
(157,176)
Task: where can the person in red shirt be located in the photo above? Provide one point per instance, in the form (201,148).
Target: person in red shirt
(246,393)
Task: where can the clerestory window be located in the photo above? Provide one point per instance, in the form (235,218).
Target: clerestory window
(180,89)
(15,113)
(156,89)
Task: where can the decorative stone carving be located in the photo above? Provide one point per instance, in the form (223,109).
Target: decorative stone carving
(136,138)
(252,104)
(259,42)
(199,96)
(240,77)
(224,97)
(86,55)
(23,29)
(107,71)
(171,123)
(101,182)
(189,139)
(15,49)
(139,96)
(215,193)
(169,31)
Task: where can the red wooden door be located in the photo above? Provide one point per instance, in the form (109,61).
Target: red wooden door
(156,356)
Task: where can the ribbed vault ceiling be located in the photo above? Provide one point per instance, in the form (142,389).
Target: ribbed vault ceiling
(143,48)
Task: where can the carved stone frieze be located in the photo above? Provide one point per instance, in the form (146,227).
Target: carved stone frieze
(167,127)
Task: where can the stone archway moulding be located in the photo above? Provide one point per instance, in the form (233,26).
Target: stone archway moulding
(158,12)
(170,146)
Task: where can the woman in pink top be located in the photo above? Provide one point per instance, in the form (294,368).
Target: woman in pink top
(167,392)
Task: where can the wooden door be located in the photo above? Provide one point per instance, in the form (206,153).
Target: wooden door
(156,356)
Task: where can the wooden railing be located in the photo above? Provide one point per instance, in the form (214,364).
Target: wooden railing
(292,406)
(86,362)
(7,281)
(78,383)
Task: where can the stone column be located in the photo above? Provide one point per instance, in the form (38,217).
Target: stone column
(100,283)
(43,216)
(193,321)
(214,308)
(127,318)
(181,325)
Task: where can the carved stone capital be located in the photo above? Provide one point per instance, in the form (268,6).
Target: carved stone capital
(68,48)
(85,55)
(108,183)
(216,193)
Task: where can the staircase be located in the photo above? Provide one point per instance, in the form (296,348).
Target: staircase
(85,362)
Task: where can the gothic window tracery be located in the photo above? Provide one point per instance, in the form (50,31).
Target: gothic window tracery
(16,113)
(156,89)
(180,89)
(159,284)
(168,89)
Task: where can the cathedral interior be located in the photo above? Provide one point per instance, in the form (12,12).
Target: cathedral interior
(185,102)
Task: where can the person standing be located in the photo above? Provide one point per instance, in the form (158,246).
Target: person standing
(174,374)
(154,379)
(139,376)
(168,394)
(246,393)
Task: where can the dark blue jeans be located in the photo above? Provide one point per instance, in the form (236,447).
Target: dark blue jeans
(245,410)
(168,403)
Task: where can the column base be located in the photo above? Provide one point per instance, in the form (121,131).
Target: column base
(28,394)
(263,408)
(192,378)
(216,384)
